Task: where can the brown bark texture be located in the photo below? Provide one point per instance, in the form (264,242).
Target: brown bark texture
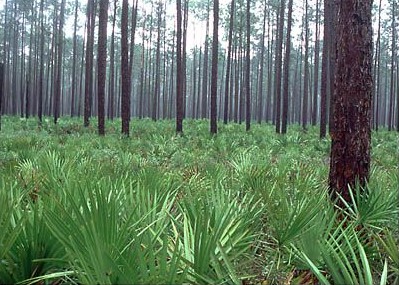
(102,64)
(350,150)
(125,104)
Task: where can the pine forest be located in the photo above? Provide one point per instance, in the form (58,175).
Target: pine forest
(247,142)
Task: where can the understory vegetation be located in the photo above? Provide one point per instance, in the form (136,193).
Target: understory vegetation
(156,208)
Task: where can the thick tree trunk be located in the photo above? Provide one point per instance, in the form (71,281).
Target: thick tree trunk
(350,150)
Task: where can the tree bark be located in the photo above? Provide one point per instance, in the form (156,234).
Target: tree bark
(286,70)
(214,81)
(316,67)
(350,150)
(57,98)
(306,72)
(248,70)
(125,104)
(278,67)
(74,55)
(89,63)
(179,71)
(228,68)
(1,88)
(102,64)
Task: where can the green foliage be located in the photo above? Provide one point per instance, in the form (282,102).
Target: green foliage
(192,209)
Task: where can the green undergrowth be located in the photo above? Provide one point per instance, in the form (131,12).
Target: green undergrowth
(157,208)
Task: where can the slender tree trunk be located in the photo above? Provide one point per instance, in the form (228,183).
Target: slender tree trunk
(278,66)
(377,64)
(332,60)
(102,64)
(261,67)
(41,72)
(125,104)
(214,81)
(316,67)
(29,74)
(324,72)
(156,98)
(81,75)
(248,70)
(228,68)
(306,71)
(397,94)
(204,99)
(89,62)
(270,43)
(22,67)
(199,85)
(57,99)
(286,70)
(392,87)
(111,84)
(184,56)
(132,48)
(74,55)
(179,71)
(1,88)
(351,136)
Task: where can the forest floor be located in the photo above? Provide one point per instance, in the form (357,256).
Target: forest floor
(156,208)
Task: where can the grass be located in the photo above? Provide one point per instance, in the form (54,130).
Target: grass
(156,208)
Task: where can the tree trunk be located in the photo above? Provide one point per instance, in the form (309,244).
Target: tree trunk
(392,87)
(41,72)
(377,64)
(316,67)
(125,104)
(102,64)
(74,55)
(306,71)
(89,62)
(57,97)
(156,96)
(350,150)
(286,70)
(214,81)
(111,85)
(324,72)
(261,66)
(204,99)
(228,68)
(278,66)
(1,88)
(248,70)
(179,71)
